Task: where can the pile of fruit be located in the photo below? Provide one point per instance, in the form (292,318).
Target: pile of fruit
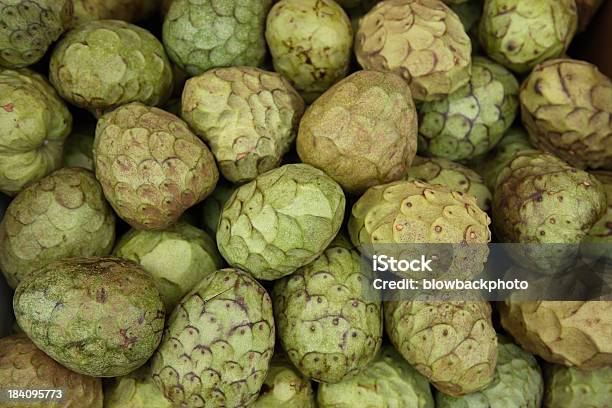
(192,183)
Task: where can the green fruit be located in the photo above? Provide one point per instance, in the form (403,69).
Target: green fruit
(310,42)
(600,233)
(101,317)
(212,207)
(283,387)
(453,344)
(101,65)
(469,12)
(177,258)
(24,367)
(329,321)
(151,167)
(412,212)
(568,387)
(78,149)
(126,10)
(520,34)
(248,116)
(389,381)
(452,175)
(34,122)
(562,332)
(29,27)
(204,34)
(491,165)
(517,383)
(218,343)
(362,132)
(63,215)
(566,107)
(540,199)
(280,221)
(421,40)
(135,390)
(471,120)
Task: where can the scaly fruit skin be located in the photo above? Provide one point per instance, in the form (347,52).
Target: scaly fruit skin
(177,258)
(566,106)
(568,333)
(389,381)
(521,34)
(218,343)
(540,199)
(63,215)
(421,40)
(135,390)
(586,11)
(248,116)
(568,387)
(34,122)
(453,344)
(362,132)
(490,166)
(310,42)
(29,27)
(151,167)
(23,366)
(78,149)
(213,206)
(470,121)
(601,232)
(284,387)
(237,37)
(329,323)
(101,317)
(280,221)
(517,383)
(126,10)
(452,175)
(101,65)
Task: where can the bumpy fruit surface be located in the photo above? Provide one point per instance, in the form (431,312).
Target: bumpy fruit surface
(566,106)
(135,390)
(101,317)
(62,216)
(389,381)
(177,258)
(151,166)
(34,122)
(101,65)
(568,387)
(521,34)
(471,120)
(78,149)
(328,316)
(280,221)
(29,27)
(421,40)
(541,199)
(601,232)
(218,343)
(284,387)
(452,175)
(362,132)
(23,366)
(248,116)
(212,207)
(490,166)
(453,344)
(517,383)
(126,10)
(568,333)
(310,42)
(237,37)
